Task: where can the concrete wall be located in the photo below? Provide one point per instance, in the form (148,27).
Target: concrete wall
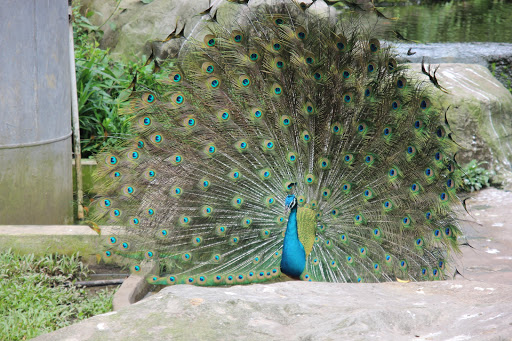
(35,128)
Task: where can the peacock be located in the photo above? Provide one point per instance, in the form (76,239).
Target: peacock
(289,146)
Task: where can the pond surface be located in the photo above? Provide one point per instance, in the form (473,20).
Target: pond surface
(455,21)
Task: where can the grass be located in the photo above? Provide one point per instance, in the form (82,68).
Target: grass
(35,297)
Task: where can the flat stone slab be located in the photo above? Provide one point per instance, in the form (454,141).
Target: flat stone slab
(50,230)
(480,113)
(444,310)
(467,53)
(44,239)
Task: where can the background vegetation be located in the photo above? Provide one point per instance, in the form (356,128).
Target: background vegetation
(476,177)
(103,87)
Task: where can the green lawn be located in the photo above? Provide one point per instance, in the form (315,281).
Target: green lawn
(35,299)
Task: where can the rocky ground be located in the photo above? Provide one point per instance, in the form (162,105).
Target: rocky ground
(490,259)
(474,306)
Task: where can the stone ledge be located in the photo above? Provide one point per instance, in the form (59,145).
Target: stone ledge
(467,53)
(53,230)
(135,287)
(45,239)
(309,311)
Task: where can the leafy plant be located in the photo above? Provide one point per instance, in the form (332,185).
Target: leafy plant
(37,299)
(475,177)
(99,84)
(102,84)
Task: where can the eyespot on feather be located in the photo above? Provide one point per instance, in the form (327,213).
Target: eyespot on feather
(224,115)
(424,104)
(309,108)
(237,36)
(401,83)
(310,179)
(254,55)
(346,73)
(337,128)
(318,75)
(133,155)
(178,98)
(208,67)
(189,122)
(285,121)
(324,163)
(440,132)
(277,90)
(348,97)
(235,175)
(309,58)
(209,40)
(244,81)
(341,44)
(156,138)
(278,19)
(392,64)
(210,149)
(148,98)
(242,146)
(300,33)
(292,157)
(371,67)
(306,136)
(276,45)
(374,45)
(176,77)
(145,121)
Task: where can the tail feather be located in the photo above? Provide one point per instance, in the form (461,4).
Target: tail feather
(289,102)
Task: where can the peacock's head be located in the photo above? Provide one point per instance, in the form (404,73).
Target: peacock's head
(290,202)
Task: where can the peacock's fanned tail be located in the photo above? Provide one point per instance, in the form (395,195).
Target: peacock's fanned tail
(287,102)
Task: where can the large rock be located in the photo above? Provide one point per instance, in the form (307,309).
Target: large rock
(134,28)
(480,113)
(309,311)
(474,307)
(497,57)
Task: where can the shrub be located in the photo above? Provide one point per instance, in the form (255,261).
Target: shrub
(475,177)
(102,84)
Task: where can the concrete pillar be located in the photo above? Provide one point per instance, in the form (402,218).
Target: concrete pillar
(35,121)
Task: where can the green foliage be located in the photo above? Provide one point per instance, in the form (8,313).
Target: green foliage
(102,84)
(99,85)
(36,299)
(475,177)
(503,74)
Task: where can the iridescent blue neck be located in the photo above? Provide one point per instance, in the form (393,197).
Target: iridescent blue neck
(293,260)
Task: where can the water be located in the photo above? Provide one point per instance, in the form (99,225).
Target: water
(455,21)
